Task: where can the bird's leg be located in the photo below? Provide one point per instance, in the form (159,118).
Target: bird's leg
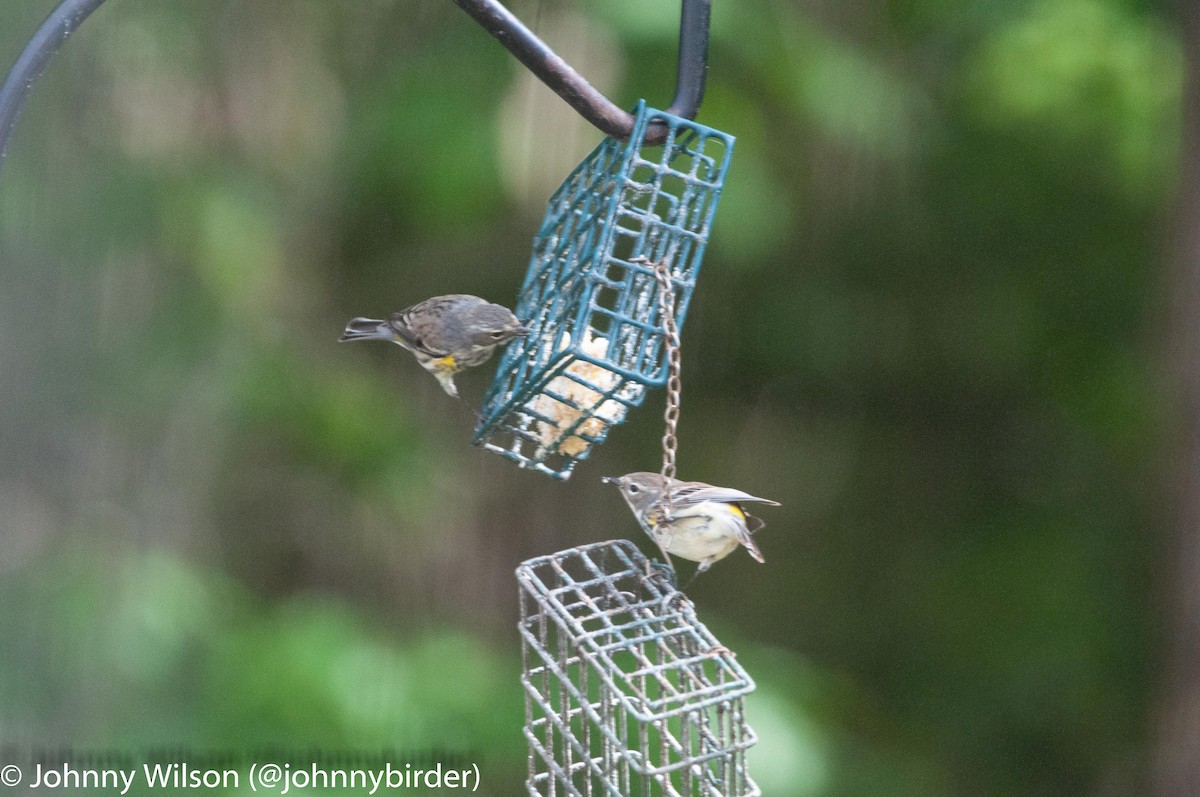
(650,527)
(478,413)
(707,563)
(666,569)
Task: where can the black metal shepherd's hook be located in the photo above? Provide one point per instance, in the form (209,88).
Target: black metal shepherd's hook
(528,48)
(583,96)
(44,44)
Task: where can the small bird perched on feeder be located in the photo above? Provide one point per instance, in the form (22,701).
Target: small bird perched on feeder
(702,523)
(446,334)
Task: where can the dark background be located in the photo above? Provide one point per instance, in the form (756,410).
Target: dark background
(933,323)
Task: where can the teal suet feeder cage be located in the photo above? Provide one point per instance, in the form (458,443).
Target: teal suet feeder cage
(590,296)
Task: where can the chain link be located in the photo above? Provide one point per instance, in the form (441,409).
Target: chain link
(670,442)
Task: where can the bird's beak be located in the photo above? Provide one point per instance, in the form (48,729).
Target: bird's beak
(608,479)
(522,331)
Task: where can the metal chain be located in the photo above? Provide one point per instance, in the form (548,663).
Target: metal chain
(670,442)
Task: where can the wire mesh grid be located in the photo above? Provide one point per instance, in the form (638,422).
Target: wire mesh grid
(590,296)
(626,692)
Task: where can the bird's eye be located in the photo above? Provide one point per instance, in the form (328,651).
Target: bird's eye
(497,335)
(633,488)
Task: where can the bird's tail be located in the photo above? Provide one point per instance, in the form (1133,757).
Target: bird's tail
(367,329)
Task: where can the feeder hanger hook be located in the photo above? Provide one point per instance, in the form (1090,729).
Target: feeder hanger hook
(583,96)
(45,43)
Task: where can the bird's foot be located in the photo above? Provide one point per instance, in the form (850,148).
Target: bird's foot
(664,570)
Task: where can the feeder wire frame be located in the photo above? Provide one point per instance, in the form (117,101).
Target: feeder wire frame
(591,297)
(626,691)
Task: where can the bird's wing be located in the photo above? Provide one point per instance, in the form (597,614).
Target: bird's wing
(691,493)
(410,337)
(400,322)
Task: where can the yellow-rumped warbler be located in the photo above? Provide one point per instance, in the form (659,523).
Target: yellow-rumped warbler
(446,333)
(703,523)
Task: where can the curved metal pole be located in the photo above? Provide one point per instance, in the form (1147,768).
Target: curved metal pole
(61,23)
(495,18)
(692,72)
(583,96)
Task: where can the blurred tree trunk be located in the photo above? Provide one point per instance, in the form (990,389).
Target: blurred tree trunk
(1177,771)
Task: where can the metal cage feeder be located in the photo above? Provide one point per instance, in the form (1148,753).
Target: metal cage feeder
(590,296)
(626,692)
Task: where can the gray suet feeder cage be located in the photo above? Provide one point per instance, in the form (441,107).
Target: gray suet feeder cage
(590,296)
(626,692)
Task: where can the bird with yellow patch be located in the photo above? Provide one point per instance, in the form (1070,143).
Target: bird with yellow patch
(700,522)
(446,334)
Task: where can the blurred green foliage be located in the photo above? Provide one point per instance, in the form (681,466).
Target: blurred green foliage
(154,652)
(927,325)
